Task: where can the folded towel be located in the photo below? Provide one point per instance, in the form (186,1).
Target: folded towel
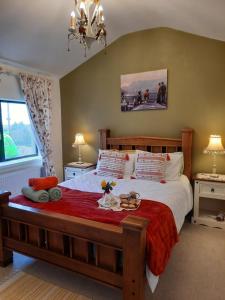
(36,196)
(55,194)
(43,183)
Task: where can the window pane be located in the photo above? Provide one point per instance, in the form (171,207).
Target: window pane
(17,133)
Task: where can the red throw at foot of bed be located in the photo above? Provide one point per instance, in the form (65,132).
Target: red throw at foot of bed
(161,232)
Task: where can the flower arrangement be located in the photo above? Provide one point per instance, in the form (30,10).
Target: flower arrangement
(107,186)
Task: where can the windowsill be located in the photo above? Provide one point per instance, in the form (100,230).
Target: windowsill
(13,165)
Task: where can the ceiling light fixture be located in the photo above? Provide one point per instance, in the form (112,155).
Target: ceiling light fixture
(87,23)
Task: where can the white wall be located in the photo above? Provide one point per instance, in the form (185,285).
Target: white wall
(10,89)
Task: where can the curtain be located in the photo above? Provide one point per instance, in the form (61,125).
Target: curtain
(38,95)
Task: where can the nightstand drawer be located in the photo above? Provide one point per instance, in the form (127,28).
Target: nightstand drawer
(211,190)
(72,172)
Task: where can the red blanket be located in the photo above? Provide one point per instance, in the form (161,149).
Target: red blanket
(161,232)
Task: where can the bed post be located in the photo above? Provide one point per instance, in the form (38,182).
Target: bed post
(104,134)
(6,256)
(134,247)
(186,148)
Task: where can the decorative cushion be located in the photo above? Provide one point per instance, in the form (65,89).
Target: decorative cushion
(150,166)
(111,163)
(174,164)
(129,163)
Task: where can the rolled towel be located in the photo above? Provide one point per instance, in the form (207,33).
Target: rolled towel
(43,183)
(55,194)
(36,196)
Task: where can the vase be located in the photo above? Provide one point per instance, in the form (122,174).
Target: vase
(107,199)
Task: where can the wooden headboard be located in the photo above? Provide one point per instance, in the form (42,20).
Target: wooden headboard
(152,144)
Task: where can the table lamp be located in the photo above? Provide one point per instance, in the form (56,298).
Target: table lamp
(79,141)
(214,148)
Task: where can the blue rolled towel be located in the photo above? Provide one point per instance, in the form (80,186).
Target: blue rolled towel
(36,196)
(55,194)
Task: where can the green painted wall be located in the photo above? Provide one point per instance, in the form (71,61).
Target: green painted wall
(196,92)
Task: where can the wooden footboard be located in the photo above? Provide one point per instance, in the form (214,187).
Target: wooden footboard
(110,254)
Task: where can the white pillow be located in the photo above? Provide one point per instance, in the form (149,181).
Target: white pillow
(175,166)
(129,164)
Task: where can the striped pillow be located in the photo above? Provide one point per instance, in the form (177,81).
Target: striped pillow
(111,163)
(150,166)
(129,163)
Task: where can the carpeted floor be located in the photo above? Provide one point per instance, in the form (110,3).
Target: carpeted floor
(196,271)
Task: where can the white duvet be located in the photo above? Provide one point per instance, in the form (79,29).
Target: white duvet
(175,194)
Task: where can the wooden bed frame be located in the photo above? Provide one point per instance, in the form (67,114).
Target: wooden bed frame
(87,247)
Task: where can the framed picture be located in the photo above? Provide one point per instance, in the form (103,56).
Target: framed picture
(144,91)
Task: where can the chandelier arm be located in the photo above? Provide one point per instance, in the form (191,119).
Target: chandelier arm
(68,43)
(93,20)
(72,36)
(94,14)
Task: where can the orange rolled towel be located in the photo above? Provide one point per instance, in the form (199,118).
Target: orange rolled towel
(43,183)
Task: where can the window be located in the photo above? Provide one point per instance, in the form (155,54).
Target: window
(16,136)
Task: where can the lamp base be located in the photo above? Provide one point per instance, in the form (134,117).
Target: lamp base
(214,163)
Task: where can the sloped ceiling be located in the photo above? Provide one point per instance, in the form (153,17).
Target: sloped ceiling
(34,33)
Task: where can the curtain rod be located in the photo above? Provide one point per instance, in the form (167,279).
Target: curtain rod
(16,71)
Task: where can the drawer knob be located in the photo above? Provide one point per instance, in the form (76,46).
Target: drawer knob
(212,190)
(74,173)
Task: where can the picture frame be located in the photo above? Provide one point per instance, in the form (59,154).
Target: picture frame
(144,91)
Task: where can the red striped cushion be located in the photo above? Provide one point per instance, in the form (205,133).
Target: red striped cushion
(150,166)
(111,163)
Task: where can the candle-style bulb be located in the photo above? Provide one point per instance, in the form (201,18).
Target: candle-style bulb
(72,20)
(100,9)
(82,5)
(82,9)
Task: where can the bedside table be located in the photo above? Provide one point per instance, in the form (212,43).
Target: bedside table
(209,199)
(72,170)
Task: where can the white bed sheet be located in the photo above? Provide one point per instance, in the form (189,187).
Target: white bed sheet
(175,194)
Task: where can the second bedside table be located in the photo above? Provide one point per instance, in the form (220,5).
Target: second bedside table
(209,199)
(72,170)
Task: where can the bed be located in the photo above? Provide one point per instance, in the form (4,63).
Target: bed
(68,241)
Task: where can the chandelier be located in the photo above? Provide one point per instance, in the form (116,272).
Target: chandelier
(87,23)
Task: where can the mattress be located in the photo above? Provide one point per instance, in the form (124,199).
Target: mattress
(177,195)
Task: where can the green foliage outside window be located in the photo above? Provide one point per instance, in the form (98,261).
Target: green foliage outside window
(11,150)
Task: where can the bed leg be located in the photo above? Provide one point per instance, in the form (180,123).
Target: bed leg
(6,256)
(134,246)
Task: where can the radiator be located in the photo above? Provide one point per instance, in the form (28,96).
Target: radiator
(14,181)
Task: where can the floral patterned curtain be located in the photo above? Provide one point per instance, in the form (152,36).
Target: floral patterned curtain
(38,95)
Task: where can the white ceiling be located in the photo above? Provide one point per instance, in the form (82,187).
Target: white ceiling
(34,33)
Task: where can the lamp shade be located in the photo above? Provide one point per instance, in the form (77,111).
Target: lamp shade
(79,140)
(215,145)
